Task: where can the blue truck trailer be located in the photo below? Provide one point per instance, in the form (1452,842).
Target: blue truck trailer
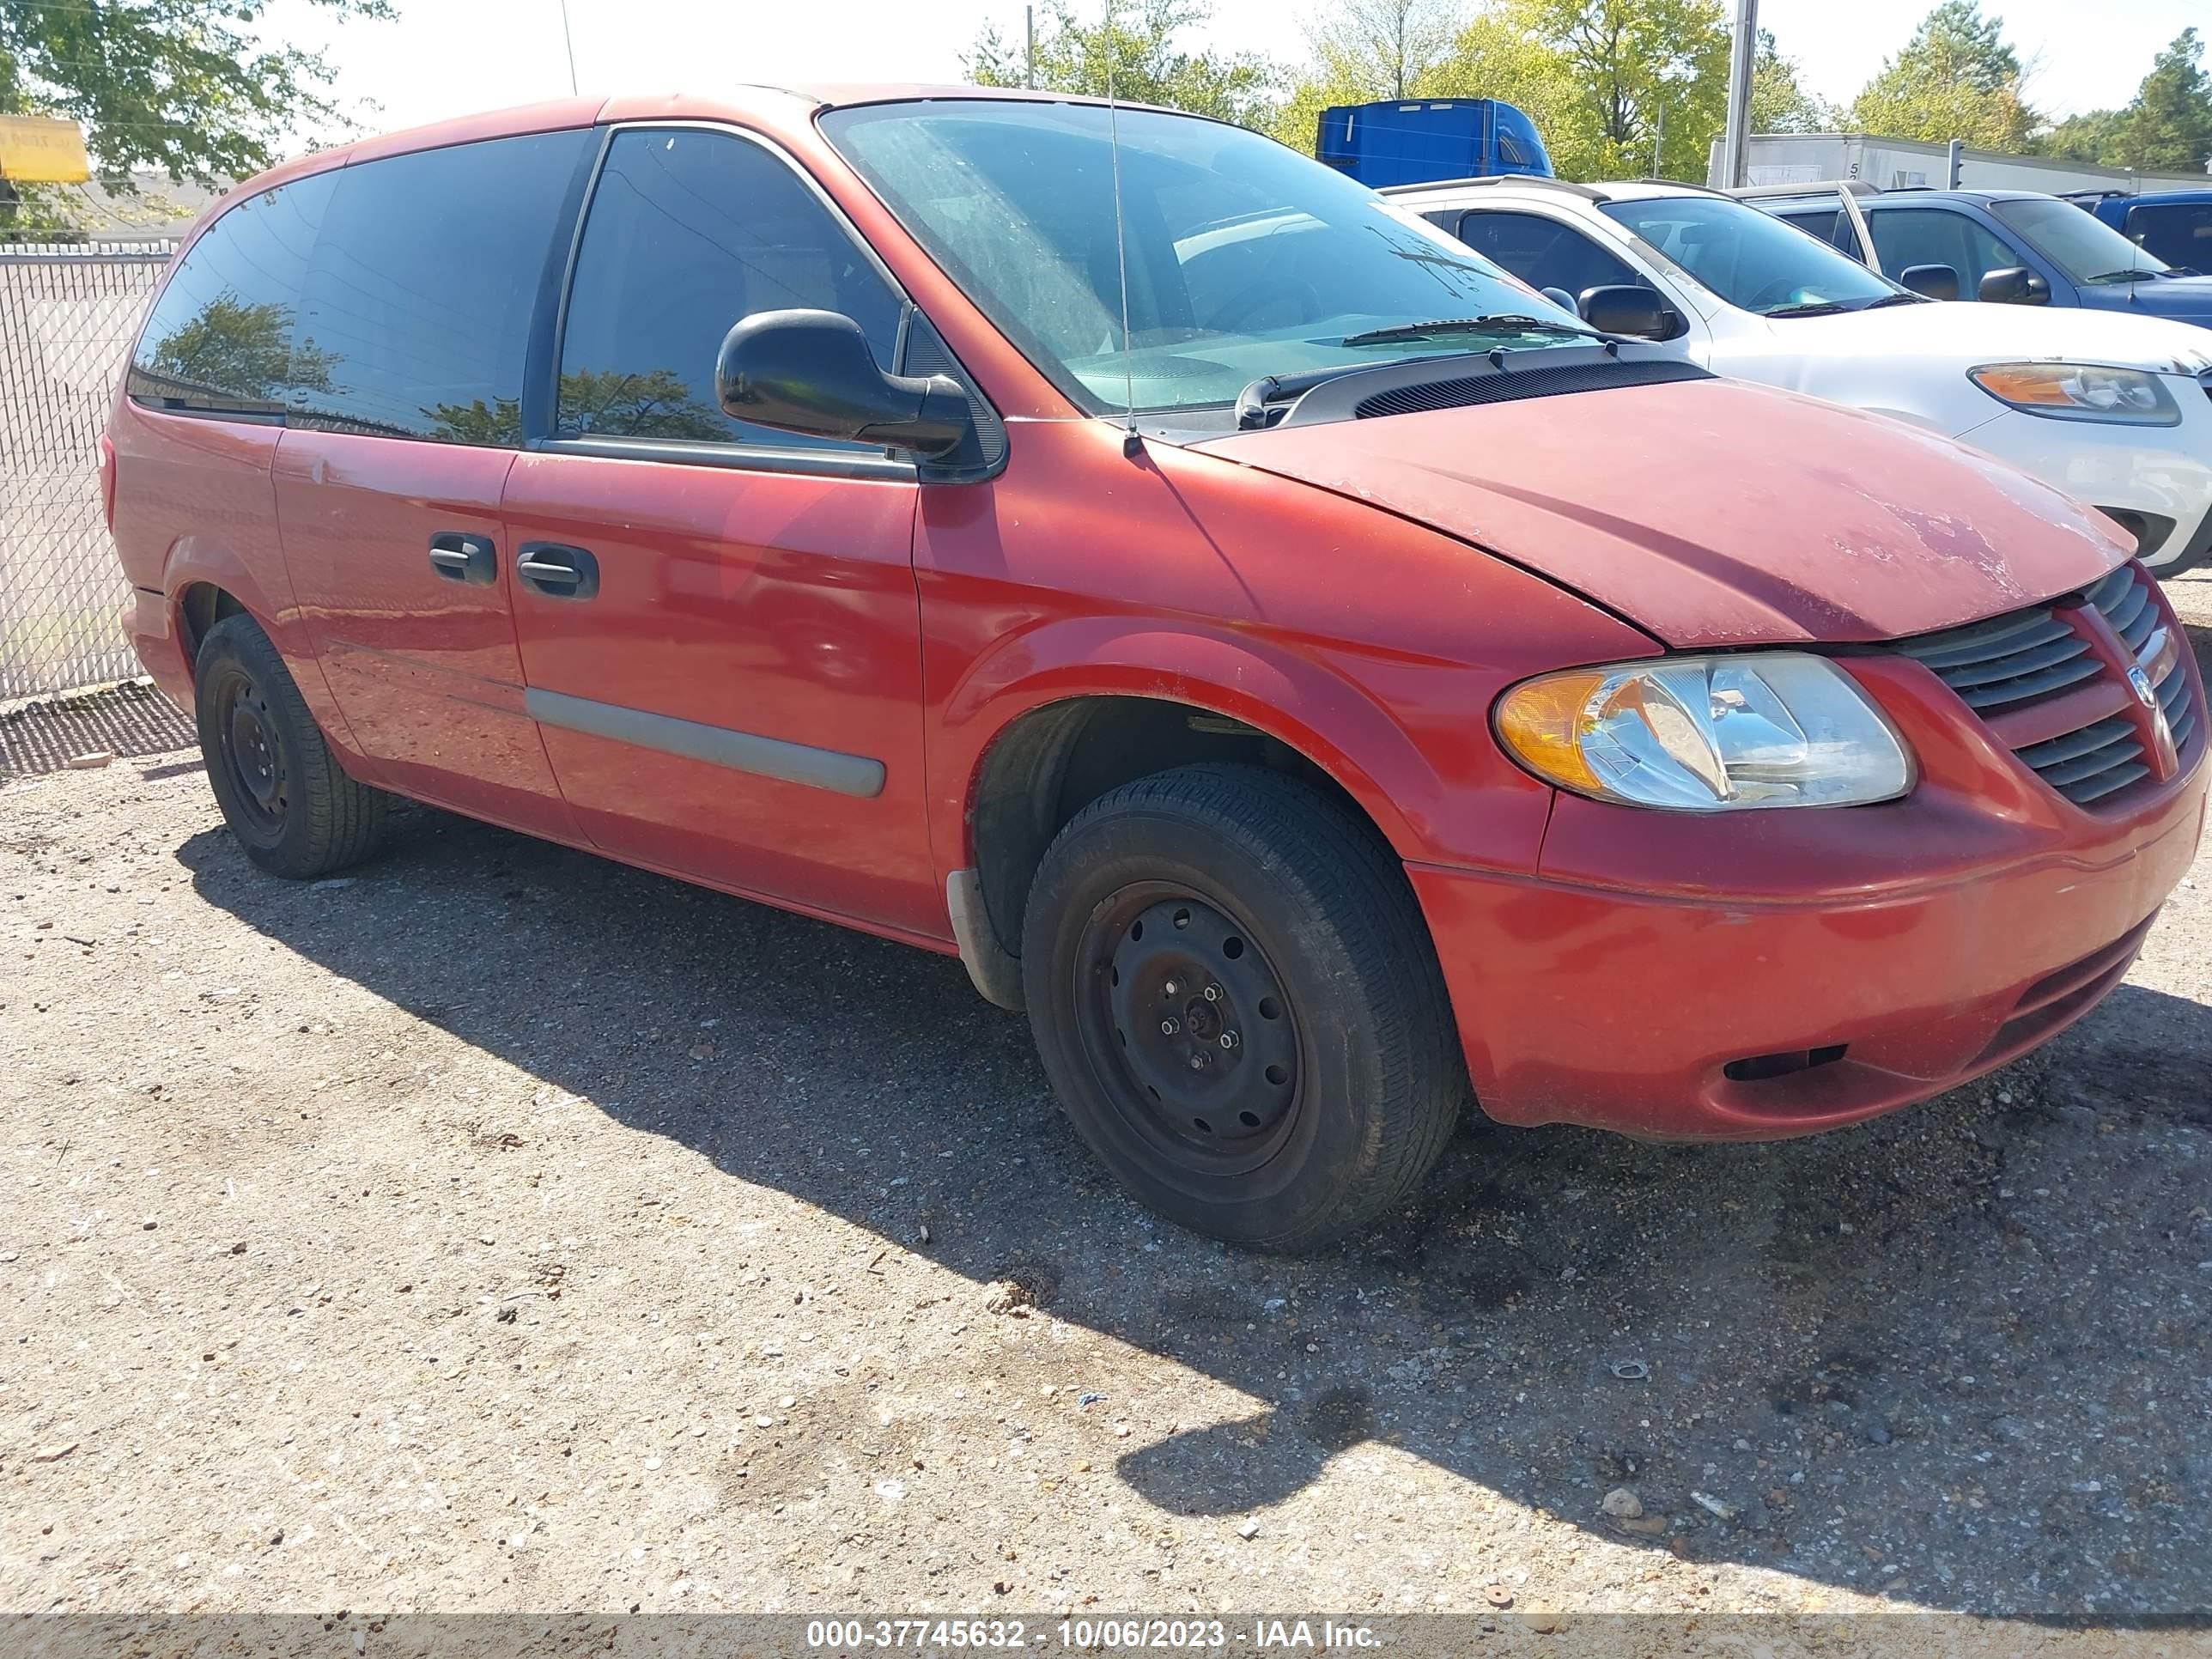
(1416,141)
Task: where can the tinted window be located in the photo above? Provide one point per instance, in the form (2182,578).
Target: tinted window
(220,337)
(415,319)
(1905,237)
(1543,253)
(2179,234)
(690,232)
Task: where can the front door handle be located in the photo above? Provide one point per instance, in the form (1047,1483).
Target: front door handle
(464,558)
(558,572)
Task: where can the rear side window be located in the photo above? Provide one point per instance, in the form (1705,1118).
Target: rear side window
(1545,253)
(220,338)
(2179,232)
(418,304)
(689,232)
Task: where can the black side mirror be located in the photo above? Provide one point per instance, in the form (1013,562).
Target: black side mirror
(1936,282)
(1627,308)
(2012,285)
(813,372)
(1559,297)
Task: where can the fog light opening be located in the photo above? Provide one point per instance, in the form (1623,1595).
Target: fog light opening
(1761,1068)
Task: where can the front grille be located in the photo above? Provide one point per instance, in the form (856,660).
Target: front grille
(2010,667)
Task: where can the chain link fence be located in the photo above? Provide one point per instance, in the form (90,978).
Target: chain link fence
(67,314)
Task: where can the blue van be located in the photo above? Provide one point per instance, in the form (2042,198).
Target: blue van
(1419,141)
(2175,225)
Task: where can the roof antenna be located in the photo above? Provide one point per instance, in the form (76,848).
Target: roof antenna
(1133,442)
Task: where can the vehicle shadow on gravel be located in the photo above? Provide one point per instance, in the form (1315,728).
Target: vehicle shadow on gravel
(1959,1354)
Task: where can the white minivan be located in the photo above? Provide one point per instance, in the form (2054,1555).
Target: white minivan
(2116,411)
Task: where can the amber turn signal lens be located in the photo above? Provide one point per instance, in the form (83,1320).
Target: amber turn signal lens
(1542,723)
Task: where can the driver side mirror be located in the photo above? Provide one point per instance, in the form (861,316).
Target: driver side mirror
(1627,308)
(1935,282)
(813,372)
(2014,285)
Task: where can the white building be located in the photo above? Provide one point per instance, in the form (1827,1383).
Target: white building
(1901,163)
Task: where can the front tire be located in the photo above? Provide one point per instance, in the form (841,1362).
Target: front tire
(292,807)
(1237,1001)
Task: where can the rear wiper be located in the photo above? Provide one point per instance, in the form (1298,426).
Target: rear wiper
(1492,323)
(1810,309)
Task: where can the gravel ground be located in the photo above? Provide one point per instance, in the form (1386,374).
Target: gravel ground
(503,1229)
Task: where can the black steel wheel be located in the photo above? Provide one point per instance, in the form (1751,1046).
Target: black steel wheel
(251,759)
(1234,997)
(281,791)
(1189,1027)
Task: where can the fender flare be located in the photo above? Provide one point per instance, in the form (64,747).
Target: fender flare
(1307,705)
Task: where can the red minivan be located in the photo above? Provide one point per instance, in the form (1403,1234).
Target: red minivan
(1320,680)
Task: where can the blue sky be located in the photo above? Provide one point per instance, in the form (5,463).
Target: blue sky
(444,57)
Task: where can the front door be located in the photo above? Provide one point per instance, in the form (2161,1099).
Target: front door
(408,367)
(720,626)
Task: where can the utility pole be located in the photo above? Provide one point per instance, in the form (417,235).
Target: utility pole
(1659,144)
(569,40)
(1029,31)
(1743,52)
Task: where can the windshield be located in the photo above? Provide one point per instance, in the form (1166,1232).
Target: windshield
(1752,259)
(1245,258)
(2079,244)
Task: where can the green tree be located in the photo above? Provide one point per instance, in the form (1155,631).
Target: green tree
(1955,78)
(1607,79)
(1780,101)
(183,86)
(2168,128)
(1132,50)
(1384,48)
(2094,138)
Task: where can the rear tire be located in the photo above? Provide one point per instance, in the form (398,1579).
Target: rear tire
(1238,1003)
(292,807)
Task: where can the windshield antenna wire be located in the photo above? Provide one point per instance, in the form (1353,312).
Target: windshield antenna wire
(1133,442)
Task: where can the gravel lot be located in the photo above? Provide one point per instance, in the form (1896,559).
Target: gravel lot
(503,1229)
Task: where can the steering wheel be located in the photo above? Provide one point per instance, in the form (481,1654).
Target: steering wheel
(1269,289)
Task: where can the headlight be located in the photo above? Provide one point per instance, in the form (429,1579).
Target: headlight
(1706,734)
(2079,392)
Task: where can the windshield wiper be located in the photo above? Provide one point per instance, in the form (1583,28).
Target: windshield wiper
(2133,274)
(1810,309)
(1492,323)
(1895,300)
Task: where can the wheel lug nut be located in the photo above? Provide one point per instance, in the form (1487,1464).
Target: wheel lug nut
(1172,988)
(1213,994)
(1228,1039)
(1198,1062)
(1170,1027)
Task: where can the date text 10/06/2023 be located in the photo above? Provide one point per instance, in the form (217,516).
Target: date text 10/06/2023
(940,1635)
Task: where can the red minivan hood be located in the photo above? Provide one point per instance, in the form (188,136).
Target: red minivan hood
(1712,512)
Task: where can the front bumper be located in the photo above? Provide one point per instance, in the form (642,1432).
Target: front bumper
(1755,975)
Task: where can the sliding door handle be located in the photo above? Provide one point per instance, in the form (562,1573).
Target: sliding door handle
(464,558)
(558,572)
